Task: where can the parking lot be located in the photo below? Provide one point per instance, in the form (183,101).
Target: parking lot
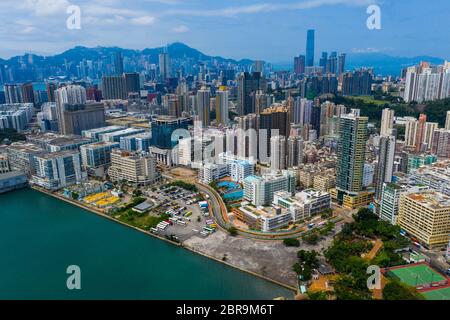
(187,217)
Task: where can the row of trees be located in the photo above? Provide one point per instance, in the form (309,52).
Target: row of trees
(435,110)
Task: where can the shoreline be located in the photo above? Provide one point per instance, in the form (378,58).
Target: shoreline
(180,245)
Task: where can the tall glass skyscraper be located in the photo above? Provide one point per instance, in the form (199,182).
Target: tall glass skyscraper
(162,129)
(310,48)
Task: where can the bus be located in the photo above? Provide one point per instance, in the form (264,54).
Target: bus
(208,229)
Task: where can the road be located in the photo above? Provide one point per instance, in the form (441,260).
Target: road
(220,213)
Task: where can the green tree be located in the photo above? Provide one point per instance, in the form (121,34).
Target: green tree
(312,238)
(291,242)
(317,295)
(395,290)
(233,231)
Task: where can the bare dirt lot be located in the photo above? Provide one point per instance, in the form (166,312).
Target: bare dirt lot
(268,258)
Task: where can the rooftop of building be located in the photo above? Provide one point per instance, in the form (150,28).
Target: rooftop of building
(165,118)
(431,199)
(25,146)
(100,144)
(263,212)
(120,132)
(11,174)
(103,129)
(52,155)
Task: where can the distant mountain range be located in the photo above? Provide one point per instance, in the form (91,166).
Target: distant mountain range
(382,63)
(176,50)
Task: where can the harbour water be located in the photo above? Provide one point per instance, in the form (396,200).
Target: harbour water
(41,236)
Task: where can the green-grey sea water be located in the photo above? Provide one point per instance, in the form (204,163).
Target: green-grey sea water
(40,236)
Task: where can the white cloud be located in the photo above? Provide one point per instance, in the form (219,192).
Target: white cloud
(45,7)
(267,7)
(143,21)
(180,29)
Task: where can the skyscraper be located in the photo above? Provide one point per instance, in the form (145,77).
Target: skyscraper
(118,63)
(427,83)
(174,106)
(71,94)
(294,151)
(164,65)
(387,122)
(258,66)
(249,83)
(385,167)
(79,117)
(357,83)
(222,105)
(132,82)
(113,87)
(74,115)
(323,61)
(310,48)
(204,106)
(341,63)
(51,88)
(351,154)
(299,64)
(13,93)
(278,153)
(421,132)
(162,129)
(27,93)
(447,121)
(274,118)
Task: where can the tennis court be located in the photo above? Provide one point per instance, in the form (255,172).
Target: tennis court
(438,294)
(416,275)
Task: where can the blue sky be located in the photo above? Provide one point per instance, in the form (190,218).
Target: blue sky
(272,30)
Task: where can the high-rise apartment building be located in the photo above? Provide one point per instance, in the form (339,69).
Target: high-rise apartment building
(13,94)
(222,102)
(275,121)
(357,83)
(385,165)
(299,64)
(441,143)
(278,153)
(351,154)
(203,109)
(27,93)
(387,122)
(447,121)
(341,63)
(294,151)
(427,83)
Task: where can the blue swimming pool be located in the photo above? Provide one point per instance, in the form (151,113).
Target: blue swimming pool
(229,185)
(234,191)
